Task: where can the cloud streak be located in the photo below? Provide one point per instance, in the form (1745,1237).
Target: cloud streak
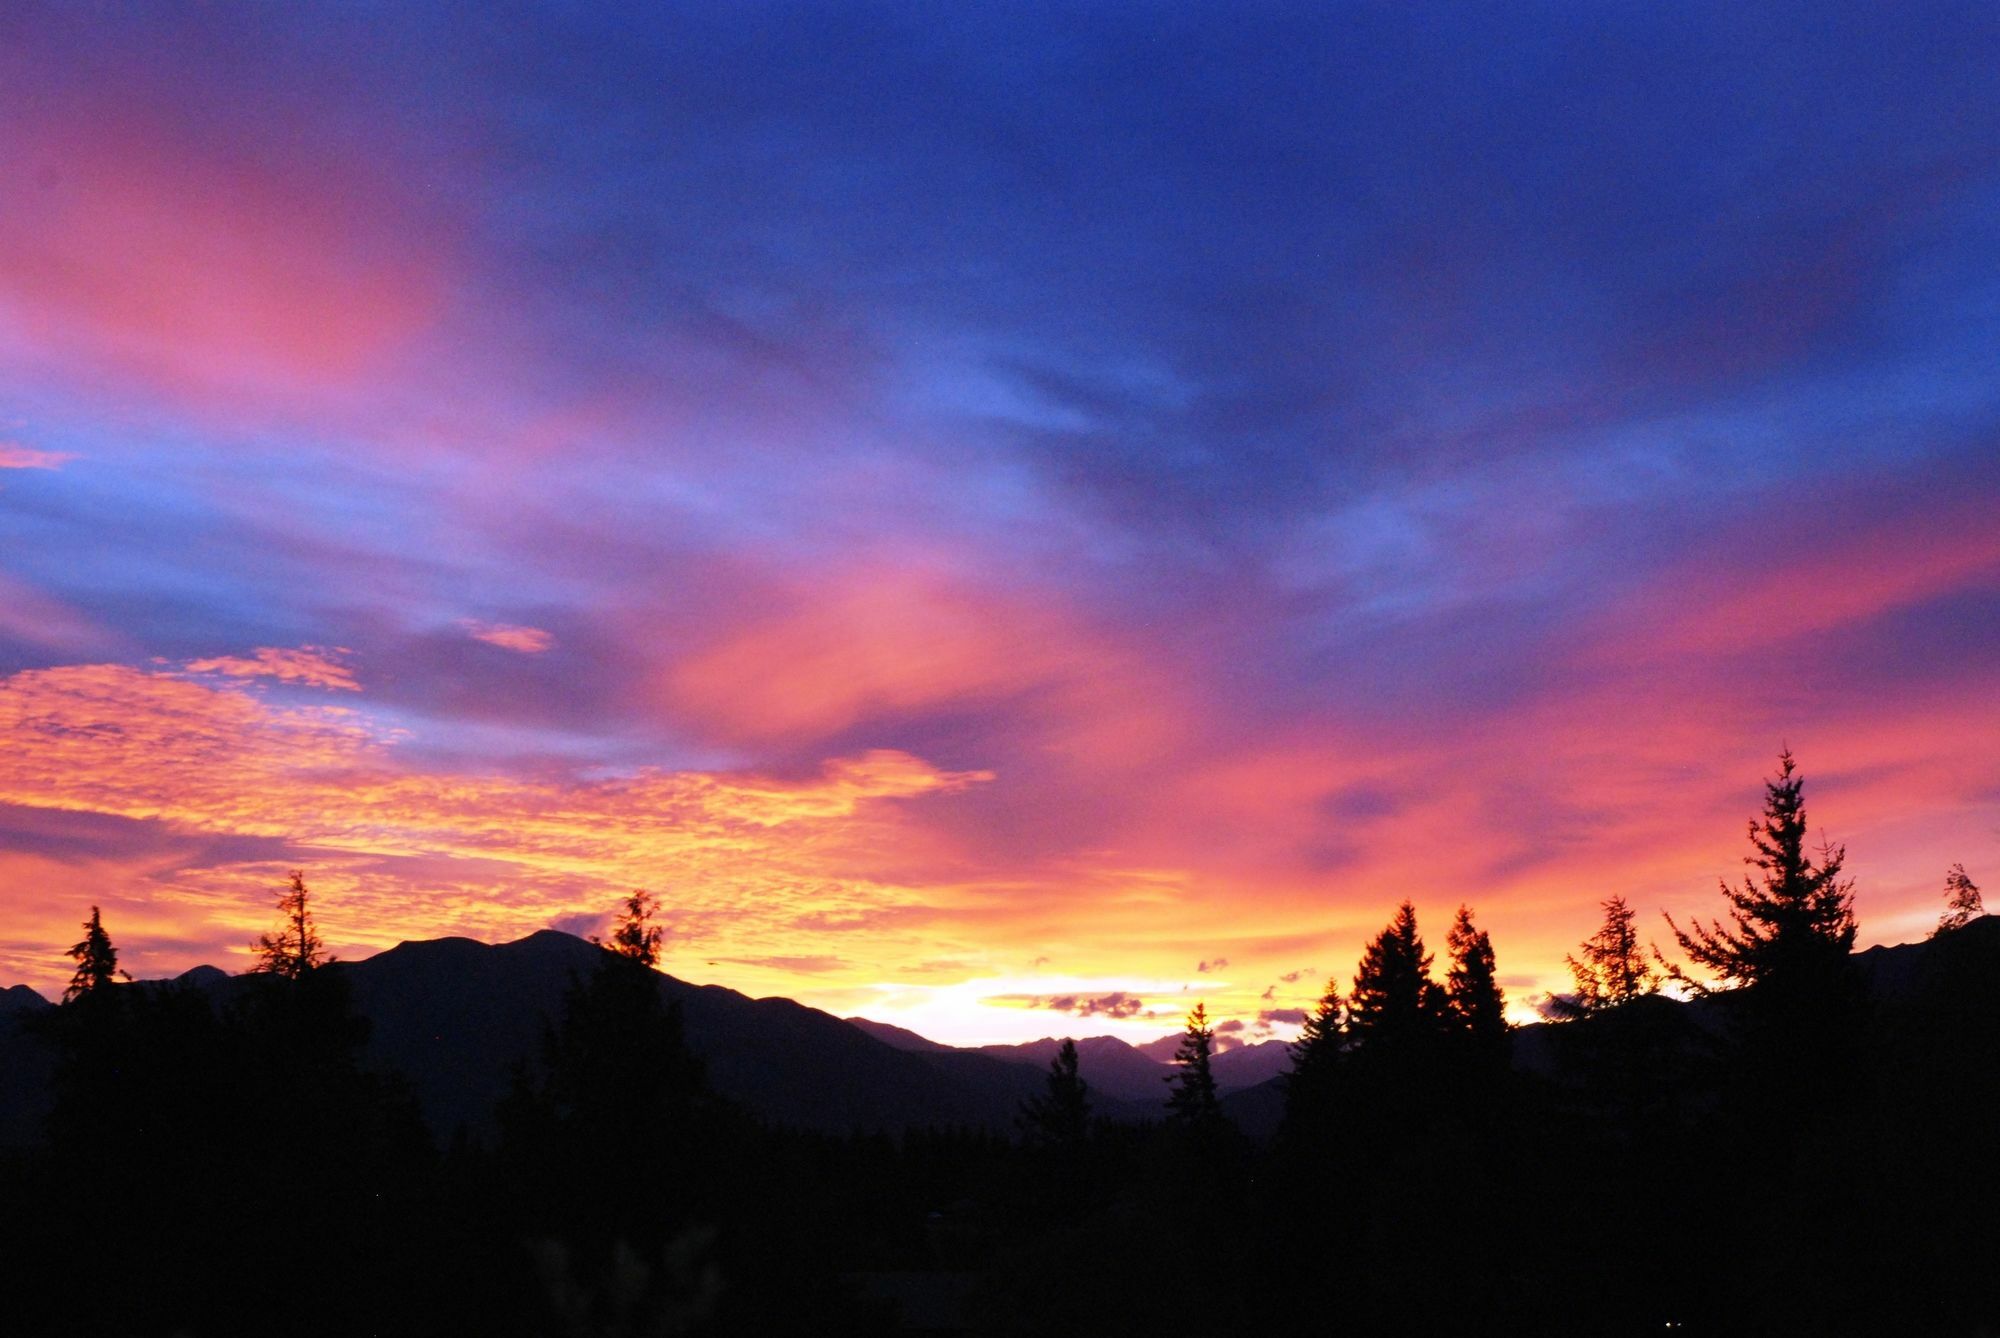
(13,455)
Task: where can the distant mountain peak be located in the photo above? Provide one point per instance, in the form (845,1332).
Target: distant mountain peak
(21,999)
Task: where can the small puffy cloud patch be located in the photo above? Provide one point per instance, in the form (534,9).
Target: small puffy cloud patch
(509,636)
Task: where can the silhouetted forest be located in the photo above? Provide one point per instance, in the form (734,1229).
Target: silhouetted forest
(1761,1133)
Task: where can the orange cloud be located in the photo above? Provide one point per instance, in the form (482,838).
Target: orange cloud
(742,860)
(508,636)
(308,666)
(1265,853)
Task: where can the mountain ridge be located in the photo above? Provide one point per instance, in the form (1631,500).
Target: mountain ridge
(454,1017)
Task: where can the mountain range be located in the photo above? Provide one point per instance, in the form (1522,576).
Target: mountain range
(454,1017)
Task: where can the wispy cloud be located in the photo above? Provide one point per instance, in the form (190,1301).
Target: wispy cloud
(13,455)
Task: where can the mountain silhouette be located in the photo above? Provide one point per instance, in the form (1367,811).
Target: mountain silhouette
(900,1037)
(26,1066)
(1127,1074)
(21,999)
(454,1017)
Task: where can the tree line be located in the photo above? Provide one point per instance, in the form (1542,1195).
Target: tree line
(1776,1150)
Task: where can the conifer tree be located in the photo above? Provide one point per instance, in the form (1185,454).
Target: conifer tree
(1474,1003)
(1316,1057)
(1059,1117)
(1395,1002)
(96,961)
(295,951)
(1962,904)
(1791,922)
(1614,969)
(619,1089)
(1192,1101)
(636,938)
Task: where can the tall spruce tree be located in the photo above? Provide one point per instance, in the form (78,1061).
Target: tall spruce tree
(1395,1005)
(1614,969)
(1313,1080)
(1962,904)
(1474,1003)
(1059,1117)
(1192,1101)
(295,951)
(1790,923)
(610,1122)
(96,961)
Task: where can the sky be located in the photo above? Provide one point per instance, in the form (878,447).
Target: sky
(1010,519)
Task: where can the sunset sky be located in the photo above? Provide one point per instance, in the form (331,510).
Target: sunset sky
(1010,518)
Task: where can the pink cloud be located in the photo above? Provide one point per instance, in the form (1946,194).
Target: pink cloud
(509,636)
(887,639)
(205,270)
(1738,601)
(308,666)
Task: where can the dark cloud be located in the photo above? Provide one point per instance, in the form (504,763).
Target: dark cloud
(72,836)
(583,924)
(1292,1017)
(1214,964)
(1115,1005)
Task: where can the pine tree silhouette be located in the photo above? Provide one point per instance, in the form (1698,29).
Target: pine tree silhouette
(1313,1079)
(607,1127)
(1614,969)
(1790,924)
(1962,904)
(1474,1003)
(1060,1117)
(636,937)
(1192,1101)
(1395,1004)
(96,961)
(295,950)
